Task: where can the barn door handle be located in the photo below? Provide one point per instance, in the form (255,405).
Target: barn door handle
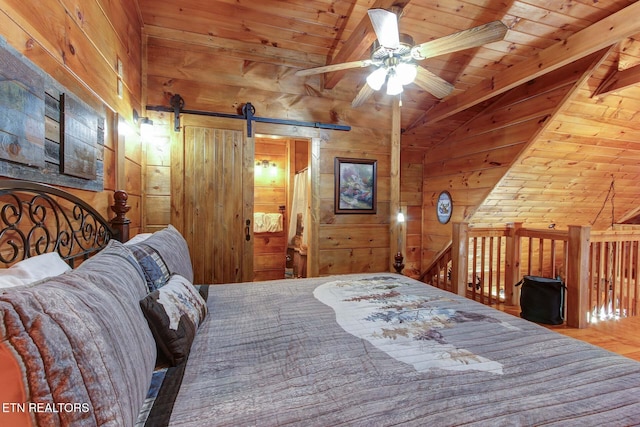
(247,235)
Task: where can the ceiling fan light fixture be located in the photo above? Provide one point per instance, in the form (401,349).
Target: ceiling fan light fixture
(394,84)
(406,72)
(376,78)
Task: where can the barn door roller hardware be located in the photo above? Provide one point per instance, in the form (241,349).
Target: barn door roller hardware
(248,111)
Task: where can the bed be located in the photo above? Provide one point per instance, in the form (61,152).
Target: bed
(371,350)
(382,349)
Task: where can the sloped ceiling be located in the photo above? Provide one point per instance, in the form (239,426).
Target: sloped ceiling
(579,165)
(582,167)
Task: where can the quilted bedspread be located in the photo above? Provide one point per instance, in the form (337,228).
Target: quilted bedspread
(382,349)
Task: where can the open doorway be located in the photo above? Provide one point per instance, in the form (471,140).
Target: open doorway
(281,207)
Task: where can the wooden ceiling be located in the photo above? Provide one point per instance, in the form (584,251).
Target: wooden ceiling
(309,33)
(543,35)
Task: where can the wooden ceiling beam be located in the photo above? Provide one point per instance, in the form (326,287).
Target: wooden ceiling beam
(604,33)
(619,80)
(359,43)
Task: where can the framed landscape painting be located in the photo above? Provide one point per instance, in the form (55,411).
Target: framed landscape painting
(355,185)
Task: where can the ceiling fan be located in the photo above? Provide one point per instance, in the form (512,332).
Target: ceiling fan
(395,57)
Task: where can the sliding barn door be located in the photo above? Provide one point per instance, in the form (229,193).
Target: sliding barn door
(218,200)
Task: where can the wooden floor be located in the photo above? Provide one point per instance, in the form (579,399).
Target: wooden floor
(619,336)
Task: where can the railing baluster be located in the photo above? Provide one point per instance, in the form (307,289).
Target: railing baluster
(595,279)
(615,268)
(625,277)
(541,257)
(483,257)
(490,270)
(553,259)
(602,278)
(529,256)
(636,286)
(499,268)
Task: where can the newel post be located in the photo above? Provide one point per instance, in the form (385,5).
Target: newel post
(577,280)
(120,223)
(459,257)
(512,263)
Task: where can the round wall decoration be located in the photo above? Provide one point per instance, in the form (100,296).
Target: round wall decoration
(444,207)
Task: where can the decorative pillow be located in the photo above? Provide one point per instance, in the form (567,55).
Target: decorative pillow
(32,270)
(155,270)
(174,251)
(174,313)
(13,389)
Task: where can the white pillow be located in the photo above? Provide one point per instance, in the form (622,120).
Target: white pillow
(138,238)
(32,270)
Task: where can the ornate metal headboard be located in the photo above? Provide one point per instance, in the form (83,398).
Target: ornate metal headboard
(37,218)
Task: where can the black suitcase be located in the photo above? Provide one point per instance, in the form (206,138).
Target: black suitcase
(542,299)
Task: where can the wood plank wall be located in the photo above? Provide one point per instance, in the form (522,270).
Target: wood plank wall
(221,79)
(79,44)
(473,158)
(156,177)
(411,171)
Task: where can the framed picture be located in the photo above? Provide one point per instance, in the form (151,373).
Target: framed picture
(355,186)
(444,207)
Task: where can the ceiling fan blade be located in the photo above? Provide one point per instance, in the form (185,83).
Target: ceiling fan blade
(433,84)
(385,25)
(334,67)
(365,93)
(465,39)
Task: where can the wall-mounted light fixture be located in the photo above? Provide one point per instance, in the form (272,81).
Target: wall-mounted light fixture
(145,123)
(141,120)
(263,165)
(146,127)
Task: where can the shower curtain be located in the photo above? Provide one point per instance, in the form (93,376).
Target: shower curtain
(300,205)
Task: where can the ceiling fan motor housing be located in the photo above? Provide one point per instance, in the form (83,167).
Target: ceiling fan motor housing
(379,52)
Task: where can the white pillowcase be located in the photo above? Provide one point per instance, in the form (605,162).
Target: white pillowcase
(32,270)
(138,238)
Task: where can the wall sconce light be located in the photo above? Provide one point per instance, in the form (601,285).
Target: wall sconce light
(262,165)
(145,123)
(146,127)
(125,129)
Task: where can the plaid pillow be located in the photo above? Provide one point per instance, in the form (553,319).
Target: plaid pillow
(174,250)
(155,269)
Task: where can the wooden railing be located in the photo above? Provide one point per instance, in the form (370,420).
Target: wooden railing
(536,252)
(438,274)
(599,269)
(486,277)
(614,263)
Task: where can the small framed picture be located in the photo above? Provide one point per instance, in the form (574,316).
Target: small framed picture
(444,207)
(355,186)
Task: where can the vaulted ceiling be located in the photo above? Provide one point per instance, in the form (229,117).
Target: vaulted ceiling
(595,121)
